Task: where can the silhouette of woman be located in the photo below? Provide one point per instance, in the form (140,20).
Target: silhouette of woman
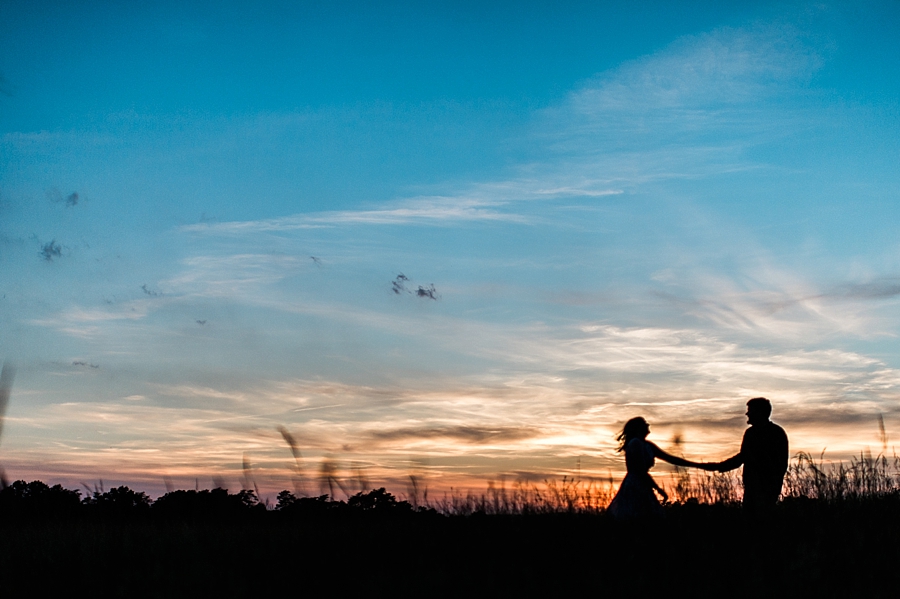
(635,498)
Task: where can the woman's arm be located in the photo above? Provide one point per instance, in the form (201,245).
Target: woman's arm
(660,490)
(676,461)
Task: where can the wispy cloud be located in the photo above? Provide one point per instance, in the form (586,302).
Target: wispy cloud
(469,431)
(466,434)
(877,289)
(722,67)
(422,210)
(778,303)
(93,322)
(233,274)
(691,110)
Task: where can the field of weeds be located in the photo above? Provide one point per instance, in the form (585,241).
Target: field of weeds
(835,533)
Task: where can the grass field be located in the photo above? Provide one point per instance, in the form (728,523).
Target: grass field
(836,533)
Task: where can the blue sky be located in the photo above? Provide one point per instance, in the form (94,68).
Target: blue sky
(598,210)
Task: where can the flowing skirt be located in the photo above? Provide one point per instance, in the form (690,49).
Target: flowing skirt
(635,498)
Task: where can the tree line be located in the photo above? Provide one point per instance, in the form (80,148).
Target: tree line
(39,499)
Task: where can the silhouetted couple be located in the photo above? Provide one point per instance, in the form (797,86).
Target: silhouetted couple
(764,455)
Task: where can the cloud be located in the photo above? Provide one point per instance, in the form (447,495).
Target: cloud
(578,192)
(92,322)
(690,110)
(421,211)
(233,274)
(772,302)
(478,435)
(472,432)
(726,66)
(884,288)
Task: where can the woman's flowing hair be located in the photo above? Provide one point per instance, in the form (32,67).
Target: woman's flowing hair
(634,429)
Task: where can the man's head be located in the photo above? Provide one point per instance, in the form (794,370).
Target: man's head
(758,410)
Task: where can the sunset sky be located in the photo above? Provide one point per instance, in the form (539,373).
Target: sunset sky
(457,241)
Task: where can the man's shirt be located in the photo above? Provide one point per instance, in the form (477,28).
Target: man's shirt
(764,454)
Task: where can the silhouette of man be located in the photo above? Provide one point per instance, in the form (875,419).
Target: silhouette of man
(764,455)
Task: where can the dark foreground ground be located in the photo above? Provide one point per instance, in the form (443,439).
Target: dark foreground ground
(807,548)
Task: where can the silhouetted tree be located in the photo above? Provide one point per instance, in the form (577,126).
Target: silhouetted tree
(120,501)
(217,503)
(285,499)
(39,499)
(304,507)
(378,500)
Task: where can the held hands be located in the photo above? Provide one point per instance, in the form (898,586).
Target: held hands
(710,467)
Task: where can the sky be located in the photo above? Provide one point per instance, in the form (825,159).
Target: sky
(448,240)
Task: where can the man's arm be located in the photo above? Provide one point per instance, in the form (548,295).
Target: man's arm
(737,460)
(731,463)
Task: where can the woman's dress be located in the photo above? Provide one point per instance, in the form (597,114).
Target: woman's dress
(636,498)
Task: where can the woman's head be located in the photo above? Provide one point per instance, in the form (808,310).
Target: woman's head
(636,428)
